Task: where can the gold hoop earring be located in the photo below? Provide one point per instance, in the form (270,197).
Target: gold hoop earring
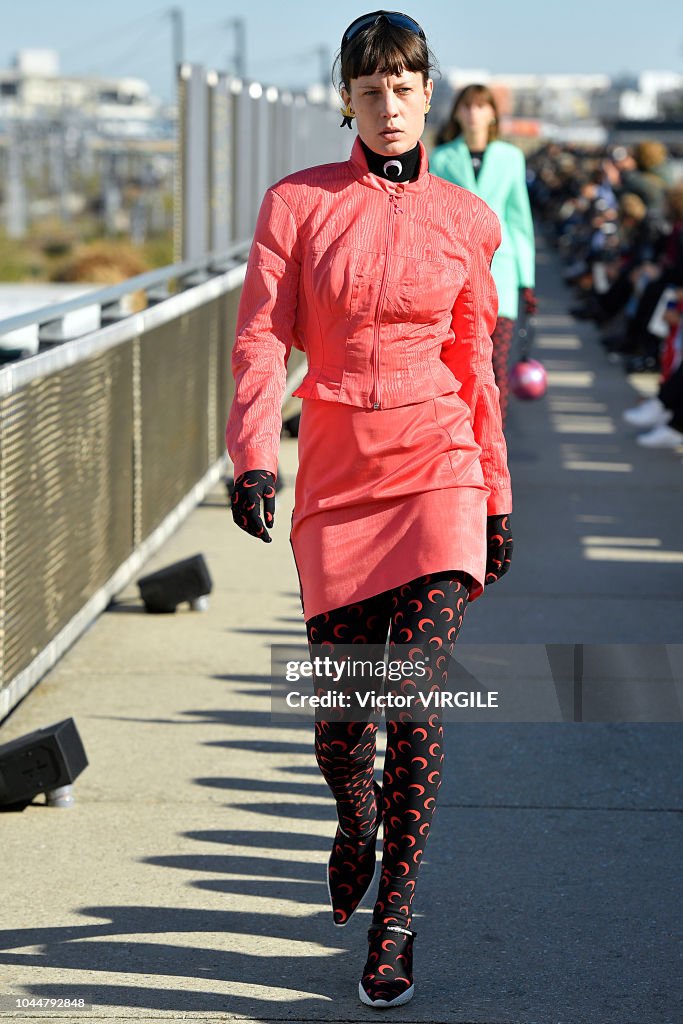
(428,108)
(348,115)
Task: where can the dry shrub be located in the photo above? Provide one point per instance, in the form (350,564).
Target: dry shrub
(104,263)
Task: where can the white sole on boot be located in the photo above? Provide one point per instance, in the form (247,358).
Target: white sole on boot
(383,1004)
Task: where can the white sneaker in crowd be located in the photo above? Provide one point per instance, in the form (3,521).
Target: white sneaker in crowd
(661,437)
(652,413)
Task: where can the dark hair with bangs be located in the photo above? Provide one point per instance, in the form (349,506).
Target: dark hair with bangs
(386,48)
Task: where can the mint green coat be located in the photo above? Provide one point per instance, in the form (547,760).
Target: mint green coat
(501,184)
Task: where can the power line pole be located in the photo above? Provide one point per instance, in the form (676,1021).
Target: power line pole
(16,205)
(325,65)
(176,16)
(239,59)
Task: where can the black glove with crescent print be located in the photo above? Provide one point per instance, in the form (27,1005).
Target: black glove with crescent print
(249,489)
(499,545)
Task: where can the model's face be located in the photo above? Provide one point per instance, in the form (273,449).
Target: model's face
(475,116)
(390,110)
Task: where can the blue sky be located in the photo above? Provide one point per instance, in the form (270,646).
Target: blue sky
(133,37)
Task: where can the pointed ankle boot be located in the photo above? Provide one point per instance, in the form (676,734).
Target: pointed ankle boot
(387,978)
(351,867)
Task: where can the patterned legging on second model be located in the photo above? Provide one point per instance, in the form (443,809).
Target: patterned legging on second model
(428,610)
(502,342)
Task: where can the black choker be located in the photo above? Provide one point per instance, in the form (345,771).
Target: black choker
(403,167)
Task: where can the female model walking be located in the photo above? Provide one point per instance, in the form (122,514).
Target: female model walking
(380,273)
(472,155)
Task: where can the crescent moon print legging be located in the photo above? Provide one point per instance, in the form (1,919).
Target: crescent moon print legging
(428,610)
(502,342)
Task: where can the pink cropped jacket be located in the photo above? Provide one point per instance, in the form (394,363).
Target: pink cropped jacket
(387,289)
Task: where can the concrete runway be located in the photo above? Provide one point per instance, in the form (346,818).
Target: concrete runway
(188,882)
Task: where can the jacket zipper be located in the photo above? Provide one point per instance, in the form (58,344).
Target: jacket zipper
(376,397)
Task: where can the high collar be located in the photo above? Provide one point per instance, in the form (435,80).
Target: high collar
(404,167)
(359,167)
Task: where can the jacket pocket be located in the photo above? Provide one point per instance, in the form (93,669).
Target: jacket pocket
(368,275)
(332,273)
(452,415)
(436,287)
(416,291)
(401,290)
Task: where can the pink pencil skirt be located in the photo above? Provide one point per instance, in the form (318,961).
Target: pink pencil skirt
(383,496)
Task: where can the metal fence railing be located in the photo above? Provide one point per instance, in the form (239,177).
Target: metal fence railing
(106,443)
(235,138)
(108,439)
(101,439)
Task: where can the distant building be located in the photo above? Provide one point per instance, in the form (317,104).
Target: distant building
(42,63)
(70,142)
(553,97)
(570,97)
(34,90)
(640,97)
(574,107)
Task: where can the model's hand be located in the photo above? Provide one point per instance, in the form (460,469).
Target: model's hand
(530,301)
(249,489)
(499,545)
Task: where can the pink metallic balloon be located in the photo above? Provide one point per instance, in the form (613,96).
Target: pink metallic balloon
(528,379)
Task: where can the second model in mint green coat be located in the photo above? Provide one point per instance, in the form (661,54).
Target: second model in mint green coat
(501,184)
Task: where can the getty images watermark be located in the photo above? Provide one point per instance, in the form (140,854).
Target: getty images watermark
(356,683)
(478,682)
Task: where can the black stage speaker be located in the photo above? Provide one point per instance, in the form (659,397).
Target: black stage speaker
(41,761)
(292,425)
(164,590)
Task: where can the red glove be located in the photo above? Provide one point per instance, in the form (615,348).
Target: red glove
(530,301)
